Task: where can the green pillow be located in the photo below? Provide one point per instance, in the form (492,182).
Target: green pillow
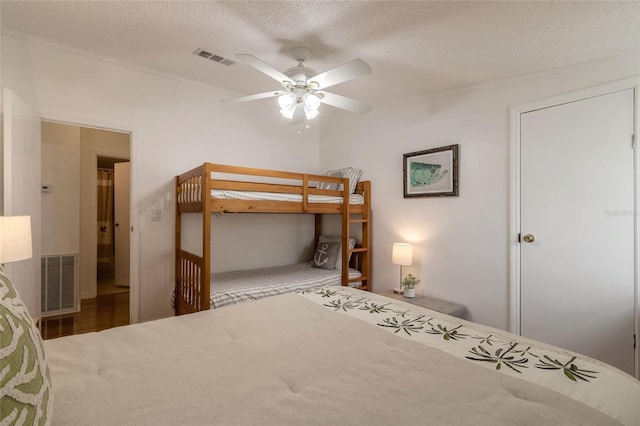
(25,382)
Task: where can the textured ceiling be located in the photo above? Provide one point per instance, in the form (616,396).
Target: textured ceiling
(414,48)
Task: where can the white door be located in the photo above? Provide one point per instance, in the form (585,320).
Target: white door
(577,204)
(122,231)
(21,189)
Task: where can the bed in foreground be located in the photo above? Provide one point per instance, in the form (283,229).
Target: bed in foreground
(333,356)
(336,355)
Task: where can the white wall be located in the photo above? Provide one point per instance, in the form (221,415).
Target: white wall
(21,190)
(175,126)
(61,207)
(461,243)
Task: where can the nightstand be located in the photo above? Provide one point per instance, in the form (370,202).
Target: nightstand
(438,305)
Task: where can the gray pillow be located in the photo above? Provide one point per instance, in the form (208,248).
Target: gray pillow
(326,255)
(338,239)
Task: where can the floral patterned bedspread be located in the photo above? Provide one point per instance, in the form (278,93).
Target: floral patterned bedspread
(579,377)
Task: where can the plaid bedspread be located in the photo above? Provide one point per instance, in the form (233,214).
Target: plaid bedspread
(243,286)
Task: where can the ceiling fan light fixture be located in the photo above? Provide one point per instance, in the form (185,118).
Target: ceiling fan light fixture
(287,101)
(311,114)
(288,112)
(310,101)
(304,89)
(298,115)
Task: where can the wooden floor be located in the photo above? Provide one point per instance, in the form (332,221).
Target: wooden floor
(105,311)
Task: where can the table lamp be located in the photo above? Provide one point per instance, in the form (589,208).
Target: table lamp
(15,238)
(402,254)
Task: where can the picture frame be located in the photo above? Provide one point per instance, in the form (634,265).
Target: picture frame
(431,173)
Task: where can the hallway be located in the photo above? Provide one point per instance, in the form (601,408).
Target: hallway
(109,309)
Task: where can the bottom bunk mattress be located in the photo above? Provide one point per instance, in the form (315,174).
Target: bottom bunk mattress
(243,286)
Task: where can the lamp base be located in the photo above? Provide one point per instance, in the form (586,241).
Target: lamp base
(398,290)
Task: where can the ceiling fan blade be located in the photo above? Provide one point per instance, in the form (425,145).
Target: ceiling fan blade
(264,68)
(341,73)
(255,97)
(345,103)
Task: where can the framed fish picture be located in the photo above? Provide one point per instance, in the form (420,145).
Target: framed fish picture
(431,173)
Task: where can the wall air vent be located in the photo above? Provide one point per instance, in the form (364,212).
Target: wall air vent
(59,282)
(213,57)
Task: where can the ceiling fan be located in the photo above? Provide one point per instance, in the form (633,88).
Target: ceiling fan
(302,89)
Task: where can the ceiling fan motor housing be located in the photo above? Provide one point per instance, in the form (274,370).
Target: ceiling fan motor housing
(300,74)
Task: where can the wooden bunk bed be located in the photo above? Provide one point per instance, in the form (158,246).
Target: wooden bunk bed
(201,189)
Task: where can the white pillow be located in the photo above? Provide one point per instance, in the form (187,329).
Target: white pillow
(354,176)
(352,173)
(333,186)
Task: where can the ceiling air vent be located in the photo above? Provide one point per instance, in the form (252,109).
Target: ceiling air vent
(213,57)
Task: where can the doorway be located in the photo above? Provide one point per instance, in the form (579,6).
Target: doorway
(112,249)
(73,156)
(573,265)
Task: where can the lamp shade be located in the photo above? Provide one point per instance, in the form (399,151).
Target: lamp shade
(402,254)
(310,102)
(15,238)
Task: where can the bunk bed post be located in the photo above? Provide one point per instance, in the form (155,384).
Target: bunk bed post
(178,240)
(366,233)
(305,193)
(346,219)
(318,229)
(205,274)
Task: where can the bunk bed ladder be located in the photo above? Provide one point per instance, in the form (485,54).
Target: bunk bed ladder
(363,251)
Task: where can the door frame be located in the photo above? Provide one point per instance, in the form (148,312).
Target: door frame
(515,194)
(134,243)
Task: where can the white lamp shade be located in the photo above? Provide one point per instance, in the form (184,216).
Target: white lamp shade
(402,254)
(287,100)
(310,101)
(15,238)
(310,113)
(299,105)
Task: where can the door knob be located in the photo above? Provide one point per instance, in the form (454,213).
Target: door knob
(116,224)
(529,238)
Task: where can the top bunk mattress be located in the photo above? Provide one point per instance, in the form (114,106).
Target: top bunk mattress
(242,286)
(278,196)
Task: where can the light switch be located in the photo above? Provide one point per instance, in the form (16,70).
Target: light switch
(155,215)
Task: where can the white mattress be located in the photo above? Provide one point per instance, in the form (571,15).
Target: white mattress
(243,286)
(278,196)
